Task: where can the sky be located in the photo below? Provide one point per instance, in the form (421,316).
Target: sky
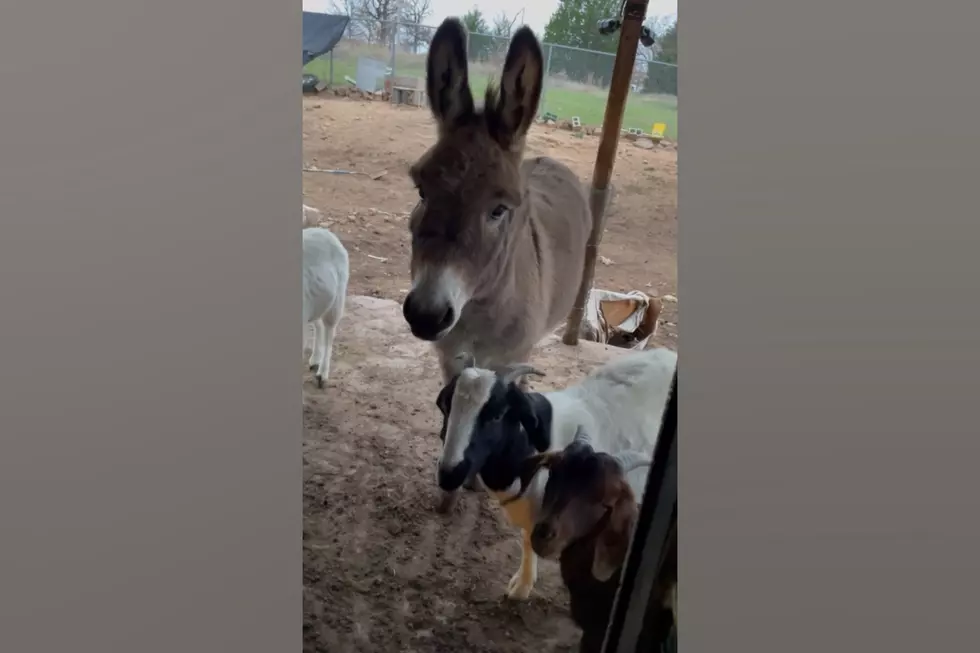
(536,12)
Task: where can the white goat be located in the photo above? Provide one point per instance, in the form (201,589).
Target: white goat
(326,270)
(490,426)
(311,216)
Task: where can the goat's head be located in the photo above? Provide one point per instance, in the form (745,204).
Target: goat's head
(469,182)
(482,411)
(586,495)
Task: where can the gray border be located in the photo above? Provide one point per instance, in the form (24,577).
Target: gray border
(828,285)
(828,190)
(150,192)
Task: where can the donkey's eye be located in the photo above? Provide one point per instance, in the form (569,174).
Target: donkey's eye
(498,212)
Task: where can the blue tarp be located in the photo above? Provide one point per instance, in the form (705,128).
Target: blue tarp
(321,33)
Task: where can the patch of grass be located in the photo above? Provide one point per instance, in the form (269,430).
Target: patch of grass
(561,98)
(642,110)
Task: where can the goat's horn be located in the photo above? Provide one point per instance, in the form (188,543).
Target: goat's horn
(630,460)
(515,372)
(582,436)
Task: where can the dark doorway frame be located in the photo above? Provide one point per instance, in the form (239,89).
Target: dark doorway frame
(634,625)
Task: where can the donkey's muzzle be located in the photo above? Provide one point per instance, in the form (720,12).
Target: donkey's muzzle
(427,321)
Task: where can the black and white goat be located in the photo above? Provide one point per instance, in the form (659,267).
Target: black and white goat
(586,521)
(491,425)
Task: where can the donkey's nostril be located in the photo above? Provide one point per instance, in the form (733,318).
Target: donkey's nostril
(447,318)
(426,321)
(408,308)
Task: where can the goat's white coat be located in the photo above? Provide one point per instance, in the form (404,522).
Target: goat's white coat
(311,216)
(620,405)
(326,271)
(473,388)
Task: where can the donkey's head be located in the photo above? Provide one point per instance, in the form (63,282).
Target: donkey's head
(469,182)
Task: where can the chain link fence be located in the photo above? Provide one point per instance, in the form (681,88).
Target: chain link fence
(576,81)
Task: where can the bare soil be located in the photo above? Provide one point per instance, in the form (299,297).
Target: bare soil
(382,571)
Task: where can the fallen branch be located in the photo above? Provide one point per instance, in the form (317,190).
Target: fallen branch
(375,175)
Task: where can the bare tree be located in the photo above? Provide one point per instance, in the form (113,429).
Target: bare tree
(344,7)
(381,15)
(352,8)
(414,12)
(502,25)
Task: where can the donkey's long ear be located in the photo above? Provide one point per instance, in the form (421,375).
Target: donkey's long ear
(614,541)
(516,103)
(447,77)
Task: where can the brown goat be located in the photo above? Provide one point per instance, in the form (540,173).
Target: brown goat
(586,520)
(498,243)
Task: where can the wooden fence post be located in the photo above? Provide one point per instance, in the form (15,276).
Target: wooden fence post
(619,89)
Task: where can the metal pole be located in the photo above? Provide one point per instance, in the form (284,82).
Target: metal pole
(547,72)
(391,78)
(619,88)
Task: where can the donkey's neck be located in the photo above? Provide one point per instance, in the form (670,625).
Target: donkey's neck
(503,319)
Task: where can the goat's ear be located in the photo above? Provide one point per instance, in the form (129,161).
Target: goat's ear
(445,397)
(512,108)
(447,76)
(524,408)
(614,541)
(533,464)
(442,401)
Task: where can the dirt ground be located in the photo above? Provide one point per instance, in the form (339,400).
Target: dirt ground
(382,571)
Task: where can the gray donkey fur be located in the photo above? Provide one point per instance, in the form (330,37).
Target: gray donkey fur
(498,242)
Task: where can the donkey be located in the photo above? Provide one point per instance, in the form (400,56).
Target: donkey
(498,242)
